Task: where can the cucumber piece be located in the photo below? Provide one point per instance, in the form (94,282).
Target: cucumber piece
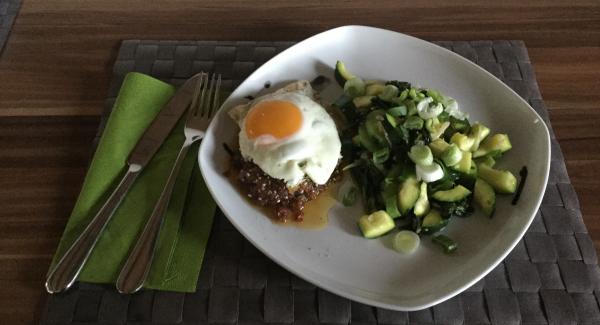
(463,142)
(375,127)
(390,197)
(412,107)
(422,204)
(497,142)
(478,133)
(389,92)
(473,171)
(406,242)
(464,165)
(397,111)
(502,181)
(408,194)
(354,87)
(433,222)
(438,147)
(341,73)
(375,224)
(362,101)
(486,160)
(436,128)
(374,89)
(365,139)
(485,197)
(413,123)
(458,193)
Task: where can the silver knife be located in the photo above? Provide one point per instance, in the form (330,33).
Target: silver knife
(66,270)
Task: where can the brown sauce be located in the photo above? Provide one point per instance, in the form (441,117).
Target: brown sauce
(315,212)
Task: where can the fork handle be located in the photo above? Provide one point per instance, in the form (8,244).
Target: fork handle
(66,270)
(137,266)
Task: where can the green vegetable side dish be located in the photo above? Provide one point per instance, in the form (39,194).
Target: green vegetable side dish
(416,160)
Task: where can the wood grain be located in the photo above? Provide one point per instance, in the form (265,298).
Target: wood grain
(55,70)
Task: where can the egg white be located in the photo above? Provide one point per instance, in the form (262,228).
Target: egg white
(313,151)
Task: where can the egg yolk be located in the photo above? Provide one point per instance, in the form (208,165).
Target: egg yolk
(276,118)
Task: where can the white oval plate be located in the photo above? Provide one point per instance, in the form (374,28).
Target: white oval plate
(337,258)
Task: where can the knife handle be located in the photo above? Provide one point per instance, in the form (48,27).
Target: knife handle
(65,272)
(137,266)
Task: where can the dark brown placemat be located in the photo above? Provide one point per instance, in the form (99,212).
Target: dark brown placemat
(551,277)
(8,13)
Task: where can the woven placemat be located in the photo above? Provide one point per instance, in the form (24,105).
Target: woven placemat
(8,13)
(551,277)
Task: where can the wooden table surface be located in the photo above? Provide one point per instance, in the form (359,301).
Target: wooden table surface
(55,70)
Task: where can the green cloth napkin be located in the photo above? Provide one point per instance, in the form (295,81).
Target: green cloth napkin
(189,217)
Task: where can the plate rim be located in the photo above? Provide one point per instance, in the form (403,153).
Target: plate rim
(362,299)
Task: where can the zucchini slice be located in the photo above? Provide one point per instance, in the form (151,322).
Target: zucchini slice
(433,222)
(342,74)
(502,181)
(376,224)
(485,197)
(455,194)
(422,204)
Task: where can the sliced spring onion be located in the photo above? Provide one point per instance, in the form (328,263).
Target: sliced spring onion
(446,243)
(406,242)
(451,107)
(414,123)
(437,97)
(351,165)
(412,93)
(403,95)
(429,173)
(354,87)
(430,123)
(428,109)
(452,155)
(389,92)
(398,111)
(412,107)
(421,155)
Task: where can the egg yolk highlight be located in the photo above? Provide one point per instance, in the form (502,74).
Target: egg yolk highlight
(276,118)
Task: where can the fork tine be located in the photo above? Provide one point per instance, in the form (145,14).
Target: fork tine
(200,106)
(216,99)
(194,105)
(206,104)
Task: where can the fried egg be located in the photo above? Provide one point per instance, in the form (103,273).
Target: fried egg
(289,135)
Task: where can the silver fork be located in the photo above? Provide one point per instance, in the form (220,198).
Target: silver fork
(204,105)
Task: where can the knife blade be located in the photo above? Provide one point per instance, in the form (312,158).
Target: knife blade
(65,271)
